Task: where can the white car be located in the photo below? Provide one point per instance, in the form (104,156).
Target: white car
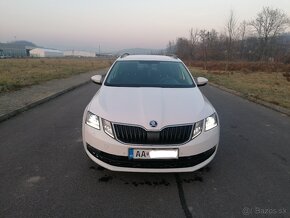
(150,116)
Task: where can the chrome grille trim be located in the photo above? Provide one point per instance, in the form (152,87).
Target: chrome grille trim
(169,135)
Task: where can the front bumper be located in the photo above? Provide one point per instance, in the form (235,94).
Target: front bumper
(113,155)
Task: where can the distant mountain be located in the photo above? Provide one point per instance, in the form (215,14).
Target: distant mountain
(17,45)
(139,51)
(284,38)
(23,43)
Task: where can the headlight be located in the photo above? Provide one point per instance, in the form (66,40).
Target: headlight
(197,128)
(93,120)
(211,122)
(107,126)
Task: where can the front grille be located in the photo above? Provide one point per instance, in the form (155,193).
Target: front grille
(124,161)
(137,135)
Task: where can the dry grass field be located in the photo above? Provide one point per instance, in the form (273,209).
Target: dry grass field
(242,66)
(269,86)
(268,82)
(18,73)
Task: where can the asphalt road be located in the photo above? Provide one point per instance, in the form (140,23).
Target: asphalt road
(44,171)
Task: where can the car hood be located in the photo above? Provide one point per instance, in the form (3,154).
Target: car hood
(138,106)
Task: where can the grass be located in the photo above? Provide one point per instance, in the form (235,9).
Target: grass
(253,80)
(18,73)
(272,87)
(243,66)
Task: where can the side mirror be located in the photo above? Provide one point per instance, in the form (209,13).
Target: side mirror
(201,81)
(97,79)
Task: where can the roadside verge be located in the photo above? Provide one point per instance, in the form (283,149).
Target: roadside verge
(13,103)
(258,101)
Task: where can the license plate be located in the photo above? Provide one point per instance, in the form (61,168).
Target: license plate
(136,153)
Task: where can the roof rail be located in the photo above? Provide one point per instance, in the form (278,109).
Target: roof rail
(173,56)
(124,55)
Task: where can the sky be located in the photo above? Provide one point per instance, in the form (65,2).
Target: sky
(118,24)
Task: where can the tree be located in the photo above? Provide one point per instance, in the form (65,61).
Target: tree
(183,48)
(194,39)
(213,45)
(231,31)
(170,48)
(268,24)
(242,32)
(204,37)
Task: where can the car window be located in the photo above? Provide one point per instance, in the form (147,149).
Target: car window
(149,74)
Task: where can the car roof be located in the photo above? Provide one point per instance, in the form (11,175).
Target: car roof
(127,57)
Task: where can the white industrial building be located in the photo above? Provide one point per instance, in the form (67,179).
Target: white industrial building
(75,53)
(44,52)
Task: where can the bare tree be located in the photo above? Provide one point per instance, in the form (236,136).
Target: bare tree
(242,32)
(237,42)
(268,24)
(204,37)
(194,39)
(213,45)
(170,48)
(194,34)
(231,31)
(183,48)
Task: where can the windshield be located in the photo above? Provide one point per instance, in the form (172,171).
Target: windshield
(163,74)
